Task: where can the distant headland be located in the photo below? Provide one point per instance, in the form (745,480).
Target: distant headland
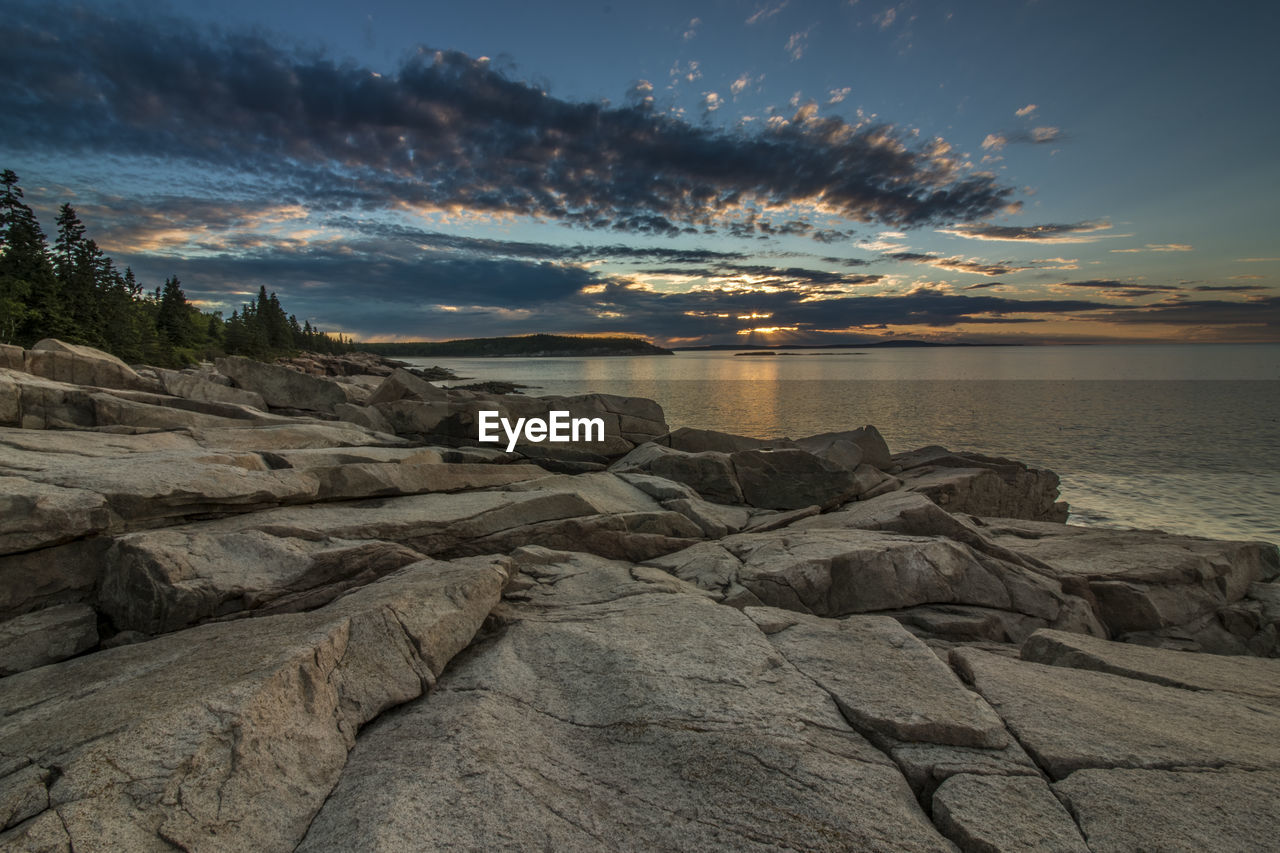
(522,346)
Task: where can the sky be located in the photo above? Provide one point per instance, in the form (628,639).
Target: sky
(721,172)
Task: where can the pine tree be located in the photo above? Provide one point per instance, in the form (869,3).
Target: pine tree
(172,322)
(29,291)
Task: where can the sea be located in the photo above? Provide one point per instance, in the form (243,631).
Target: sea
(1181,438)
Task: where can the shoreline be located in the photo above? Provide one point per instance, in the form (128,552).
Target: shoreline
(215,580)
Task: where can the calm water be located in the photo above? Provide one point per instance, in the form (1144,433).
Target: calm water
(1182,438)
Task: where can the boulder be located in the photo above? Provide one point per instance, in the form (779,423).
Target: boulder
(11,357)
(981,485)
(228,736)
(692,440)
(851,448)
(32,402)
(841,572)
(194,385)
(1149,584)
(281,387)
(782,479)
(402,385)
(711,474)
(81,365)
(365,416)
(46,636)
(790,479)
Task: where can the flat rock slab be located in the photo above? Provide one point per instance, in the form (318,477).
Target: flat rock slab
(164,580)
(1256,678)
(1223,811)
(1070,719)
(647,719)
(884,680)
(1005,814)
(227,736)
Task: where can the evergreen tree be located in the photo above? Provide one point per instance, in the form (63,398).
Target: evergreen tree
(29,292)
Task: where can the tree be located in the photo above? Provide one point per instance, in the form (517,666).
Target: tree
(29,292)
(173,316)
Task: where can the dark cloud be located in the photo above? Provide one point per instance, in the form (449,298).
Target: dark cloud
(1112,284)
(1075,233)
(956,264)
(443,130)
(1229,288)
(1254,312)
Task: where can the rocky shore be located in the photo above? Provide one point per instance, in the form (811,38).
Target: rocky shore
(299,607)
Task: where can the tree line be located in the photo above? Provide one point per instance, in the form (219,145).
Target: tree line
(73,291)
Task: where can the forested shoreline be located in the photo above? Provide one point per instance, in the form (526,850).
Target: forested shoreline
(74,291)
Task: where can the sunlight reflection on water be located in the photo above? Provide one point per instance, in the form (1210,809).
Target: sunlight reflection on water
(1183,438)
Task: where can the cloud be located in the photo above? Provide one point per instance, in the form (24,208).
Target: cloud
(1159,247)
(838,95)
(957,264)
(764,13)
(738,86)
(1113,289)
(1255,312)
(692,31)
(1025,111)
(1230,288)
(711,102)
(886,18)
(443,131)
(1113,284)
(1035,136)
(1080,232)
(797,44)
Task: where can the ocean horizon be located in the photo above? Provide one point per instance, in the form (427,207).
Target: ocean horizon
(1177,437)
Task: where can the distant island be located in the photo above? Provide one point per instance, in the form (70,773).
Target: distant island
(871,345)
(526,345)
